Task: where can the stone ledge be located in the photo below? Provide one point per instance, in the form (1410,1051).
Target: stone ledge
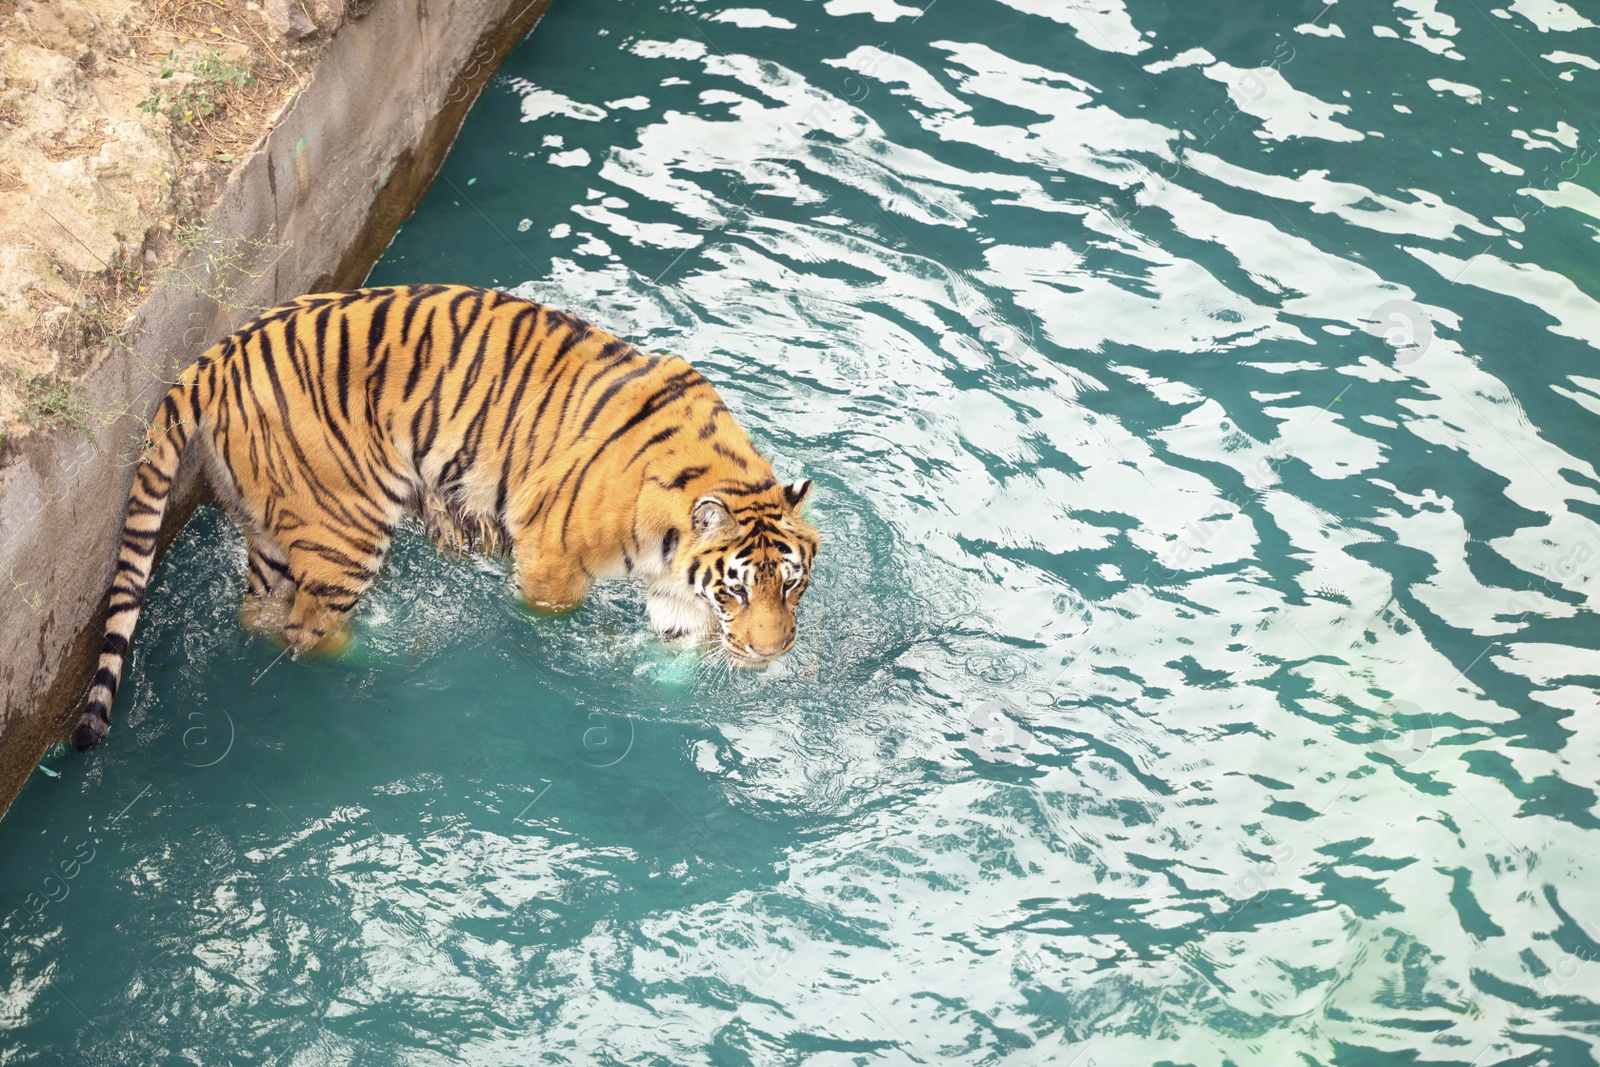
(311,209)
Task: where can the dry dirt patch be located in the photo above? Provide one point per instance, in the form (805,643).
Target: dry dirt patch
(119,124)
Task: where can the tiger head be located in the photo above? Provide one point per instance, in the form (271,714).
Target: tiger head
(750,560)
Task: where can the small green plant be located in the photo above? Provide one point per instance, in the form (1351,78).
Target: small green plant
(100,314)
(190,236)
(53,400)
(226,264)
(33,598)
(212,75)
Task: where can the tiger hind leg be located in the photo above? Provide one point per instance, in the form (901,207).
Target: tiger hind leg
(331,569)
(266,606)
(550,582)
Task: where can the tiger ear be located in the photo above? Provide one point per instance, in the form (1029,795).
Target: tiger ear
(796,492)
(710,515)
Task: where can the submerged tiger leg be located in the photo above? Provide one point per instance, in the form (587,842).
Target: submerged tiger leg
(331,569)
(551,582)
(266,607)
(676,617)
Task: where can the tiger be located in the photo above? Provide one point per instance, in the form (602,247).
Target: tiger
(497,423)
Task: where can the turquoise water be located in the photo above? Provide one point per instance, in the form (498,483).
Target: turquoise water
(1199,666)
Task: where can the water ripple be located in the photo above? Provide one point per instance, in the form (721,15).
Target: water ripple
(1200,660)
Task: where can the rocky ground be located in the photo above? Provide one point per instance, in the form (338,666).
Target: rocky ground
(119,125)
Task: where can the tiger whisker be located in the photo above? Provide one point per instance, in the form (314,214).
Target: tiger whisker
(716,667)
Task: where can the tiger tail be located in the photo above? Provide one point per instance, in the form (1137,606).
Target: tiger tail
(175,421)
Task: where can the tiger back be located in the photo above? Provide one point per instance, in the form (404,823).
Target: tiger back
(502,425)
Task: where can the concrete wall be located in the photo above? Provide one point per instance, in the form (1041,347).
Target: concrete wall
(311,210)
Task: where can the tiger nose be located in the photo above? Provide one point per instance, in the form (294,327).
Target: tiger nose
(774,651)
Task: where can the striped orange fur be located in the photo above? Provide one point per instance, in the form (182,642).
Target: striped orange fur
(501,425)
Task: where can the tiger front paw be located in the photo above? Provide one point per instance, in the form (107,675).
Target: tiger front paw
(678,619)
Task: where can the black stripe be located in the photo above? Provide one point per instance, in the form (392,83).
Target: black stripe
(474,369)
(663,435)
(412,307)
(604,398)
(748,488)
(376,323)
(115,644)
(421,355)
(458,328)
(377,378)
(673,389)
(709,430)
(154,492)
(175,426)
(733,457)
(522,384)
(342,367)
(106,677)
(549,393)
(687,475)
(520,330)
(286,431)
(612,355)
(421,443)
(578,376)
(291,344)
(350,564)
